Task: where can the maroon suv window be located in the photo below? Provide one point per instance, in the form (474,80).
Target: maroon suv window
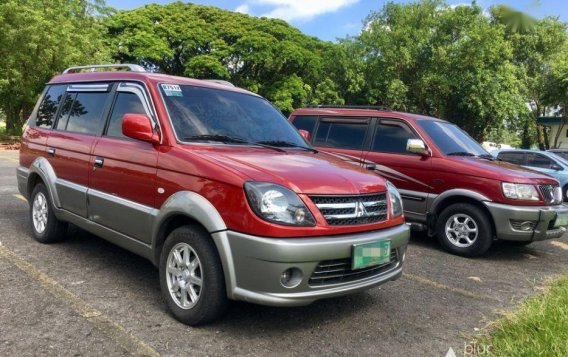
(392,136)
(49,105)
(341,135)
(124,103)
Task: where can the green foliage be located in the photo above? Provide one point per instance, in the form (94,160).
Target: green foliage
(504,135)
(40,39)
(457,63)
(535,52)
(446,62)
(266,56)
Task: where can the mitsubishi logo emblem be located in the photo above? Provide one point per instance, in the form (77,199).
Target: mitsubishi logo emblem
(360,210)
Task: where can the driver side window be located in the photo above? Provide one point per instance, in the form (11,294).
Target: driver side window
(536,160)
(125,103)
(391,136)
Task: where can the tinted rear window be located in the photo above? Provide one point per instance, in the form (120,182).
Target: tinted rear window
(49,106)
(341,135)
(517,158)
(85,114)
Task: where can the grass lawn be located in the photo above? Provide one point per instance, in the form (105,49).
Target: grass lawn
(538,328)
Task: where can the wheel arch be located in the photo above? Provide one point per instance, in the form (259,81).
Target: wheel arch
(42,171)
(184,208)
(451,197)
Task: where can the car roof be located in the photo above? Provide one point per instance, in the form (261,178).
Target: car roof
(354,112)
(146,77)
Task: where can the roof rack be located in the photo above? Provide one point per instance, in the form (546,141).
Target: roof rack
(219,81)
(333,106)
(95,67)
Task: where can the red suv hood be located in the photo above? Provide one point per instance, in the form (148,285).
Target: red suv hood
(499,170)
(301,171)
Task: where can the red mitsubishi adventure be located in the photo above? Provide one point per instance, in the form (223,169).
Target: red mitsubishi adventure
(449,184)
(212,184)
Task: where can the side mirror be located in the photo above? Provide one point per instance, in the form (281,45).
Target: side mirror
(556,167)
(305,134)
(416,146)
(139,127)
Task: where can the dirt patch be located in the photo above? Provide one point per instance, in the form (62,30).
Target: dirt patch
(9,146)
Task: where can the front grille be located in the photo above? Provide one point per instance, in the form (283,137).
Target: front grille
(338,271)
(551,193)
(352,210)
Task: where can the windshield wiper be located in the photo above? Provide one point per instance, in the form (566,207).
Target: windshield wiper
(488,157)
(229,139)
(282,143)
(460,153)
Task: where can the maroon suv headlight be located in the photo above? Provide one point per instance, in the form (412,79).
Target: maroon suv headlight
(520,191)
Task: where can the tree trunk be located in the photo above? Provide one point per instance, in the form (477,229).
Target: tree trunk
(539,137)
(13,119)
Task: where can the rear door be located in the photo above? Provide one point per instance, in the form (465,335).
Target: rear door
(123,170)
(513,157)
(410,173)
(69,146)
(344,138)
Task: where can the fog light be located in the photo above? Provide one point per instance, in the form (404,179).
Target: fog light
(524,226)
(291,278)
(527,226)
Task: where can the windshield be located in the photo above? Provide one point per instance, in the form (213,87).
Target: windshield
(450,139)
(200,113)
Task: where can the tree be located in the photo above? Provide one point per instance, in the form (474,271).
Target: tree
(555,93)
(536,46)
(40,39)
(448,62)
(266,56)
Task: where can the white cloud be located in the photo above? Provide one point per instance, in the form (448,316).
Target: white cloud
(290,10)
(243,9)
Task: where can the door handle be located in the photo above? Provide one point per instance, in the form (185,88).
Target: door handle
(51,151)
(99,162)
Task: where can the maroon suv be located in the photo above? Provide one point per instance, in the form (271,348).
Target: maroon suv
(449,184)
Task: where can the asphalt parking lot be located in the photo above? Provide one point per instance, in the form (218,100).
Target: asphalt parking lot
(86,297)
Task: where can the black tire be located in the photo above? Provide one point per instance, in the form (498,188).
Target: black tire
(565,193)
(479,244)
(211,301)
(54,230)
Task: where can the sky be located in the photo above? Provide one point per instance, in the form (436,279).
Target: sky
(332,19)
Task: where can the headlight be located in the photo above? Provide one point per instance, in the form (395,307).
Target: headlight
(395,200)
(518,191)
(278,204)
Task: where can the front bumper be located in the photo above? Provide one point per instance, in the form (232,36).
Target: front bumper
(253,265)
(543,218)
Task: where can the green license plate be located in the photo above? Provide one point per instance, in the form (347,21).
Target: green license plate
(369,254)
(561,220)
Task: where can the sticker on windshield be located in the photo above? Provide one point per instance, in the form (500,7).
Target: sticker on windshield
(172,90)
